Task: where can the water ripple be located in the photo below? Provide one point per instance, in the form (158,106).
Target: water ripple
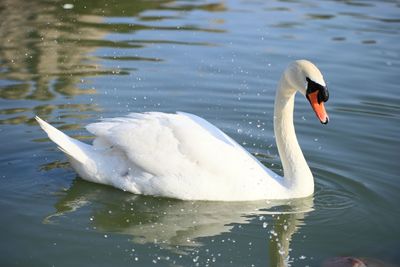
(330,199)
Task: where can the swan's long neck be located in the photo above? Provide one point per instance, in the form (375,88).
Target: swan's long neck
(297,175)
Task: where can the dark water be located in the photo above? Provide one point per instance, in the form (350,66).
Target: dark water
(219,60)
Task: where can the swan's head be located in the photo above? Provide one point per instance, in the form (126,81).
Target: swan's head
(305,77)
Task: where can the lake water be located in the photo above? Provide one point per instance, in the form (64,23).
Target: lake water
(75,62)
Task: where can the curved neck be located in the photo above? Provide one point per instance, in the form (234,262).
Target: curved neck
(297,175)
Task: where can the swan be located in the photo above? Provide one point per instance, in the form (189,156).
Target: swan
(185,157)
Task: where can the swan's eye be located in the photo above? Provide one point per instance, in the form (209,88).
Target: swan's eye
(323,94)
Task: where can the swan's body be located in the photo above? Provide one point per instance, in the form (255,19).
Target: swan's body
(183,156)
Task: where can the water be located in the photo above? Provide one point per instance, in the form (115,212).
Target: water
(75,62)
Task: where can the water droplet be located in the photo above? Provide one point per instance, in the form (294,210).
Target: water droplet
(68,6)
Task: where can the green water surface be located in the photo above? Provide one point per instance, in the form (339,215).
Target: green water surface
(74,62)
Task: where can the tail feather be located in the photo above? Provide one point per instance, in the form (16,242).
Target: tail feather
(73,148)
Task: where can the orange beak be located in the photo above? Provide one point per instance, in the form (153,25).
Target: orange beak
(318,108)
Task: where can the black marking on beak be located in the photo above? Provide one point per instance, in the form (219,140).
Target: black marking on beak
(323,93)
(326,121)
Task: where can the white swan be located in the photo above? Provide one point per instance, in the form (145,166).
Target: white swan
(184,156)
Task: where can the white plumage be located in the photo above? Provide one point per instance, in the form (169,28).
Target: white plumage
(176,155)
(173,155)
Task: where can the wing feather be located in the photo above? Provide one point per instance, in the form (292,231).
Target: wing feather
(179,145)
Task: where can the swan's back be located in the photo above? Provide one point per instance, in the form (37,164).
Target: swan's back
(183,156)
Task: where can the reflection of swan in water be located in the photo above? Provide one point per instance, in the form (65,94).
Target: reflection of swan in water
(284,226)
(180,225)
